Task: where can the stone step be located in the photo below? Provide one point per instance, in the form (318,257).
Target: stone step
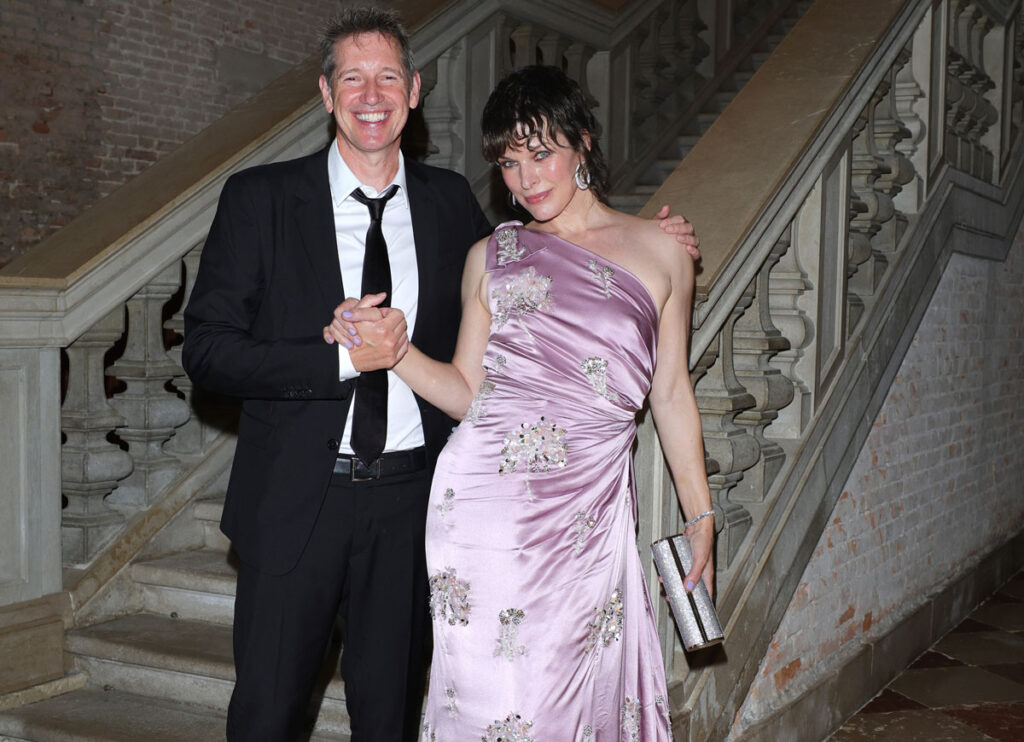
(96,715)
(195,585)
(178,660)
(208,511)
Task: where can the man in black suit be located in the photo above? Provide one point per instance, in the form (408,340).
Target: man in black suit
(318,530)
(315,529)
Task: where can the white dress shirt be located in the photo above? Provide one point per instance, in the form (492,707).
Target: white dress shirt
(351,220)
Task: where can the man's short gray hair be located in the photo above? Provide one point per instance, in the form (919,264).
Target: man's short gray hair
(358,20)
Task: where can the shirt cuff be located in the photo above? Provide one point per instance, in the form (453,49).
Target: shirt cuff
(346,370)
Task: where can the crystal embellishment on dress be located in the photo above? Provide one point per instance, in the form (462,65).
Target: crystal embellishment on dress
(451,705)
(429,735)
(447,502)
(509,250)
(499,364)
(588,731)
(535,448)
(449,598)
(508,633)
(582,525)
(512,729)
(659,701)
(604,274)
(631,719)
(606,625)
(476,410)
(525,292)
(596,371)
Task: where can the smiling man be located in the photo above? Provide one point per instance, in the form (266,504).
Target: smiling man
(327,498)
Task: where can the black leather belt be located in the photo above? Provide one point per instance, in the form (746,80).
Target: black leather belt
(388,465)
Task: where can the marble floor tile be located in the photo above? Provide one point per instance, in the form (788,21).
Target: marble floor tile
(968,626)
(934,659)
(908,726)
(982,648)
(1001,721)
(956,686)
(1005,616)
(890,700)
(1014,672)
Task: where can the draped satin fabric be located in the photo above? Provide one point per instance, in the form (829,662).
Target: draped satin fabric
(543,628)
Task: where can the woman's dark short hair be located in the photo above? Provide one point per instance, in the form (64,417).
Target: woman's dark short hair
(541,100)
(353,21)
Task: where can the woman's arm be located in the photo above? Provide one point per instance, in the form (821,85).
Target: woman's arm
(451,386)
(676,416)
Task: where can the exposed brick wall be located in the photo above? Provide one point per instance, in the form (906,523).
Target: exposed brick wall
(92,92)
(937,485)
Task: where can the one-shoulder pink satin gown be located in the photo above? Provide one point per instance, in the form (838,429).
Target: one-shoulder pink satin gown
(543,628)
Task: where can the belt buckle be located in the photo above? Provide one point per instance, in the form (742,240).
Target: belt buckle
(373,469)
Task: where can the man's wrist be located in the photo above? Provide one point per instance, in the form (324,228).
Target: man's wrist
(346,369)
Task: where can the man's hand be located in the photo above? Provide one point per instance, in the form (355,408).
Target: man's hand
(375,336)
(682,229)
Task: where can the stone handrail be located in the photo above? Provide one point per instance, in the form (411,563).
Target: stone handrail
(828,196)
(97,411)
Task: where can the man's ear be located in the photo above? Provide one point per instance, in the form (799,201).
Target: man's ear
(414,90)
(325,92)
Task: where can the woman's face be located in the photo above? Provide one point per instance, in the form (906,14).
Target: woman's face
(540,174)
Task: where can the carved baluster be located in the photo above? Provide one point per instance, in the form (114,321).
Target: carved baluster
(907,98)
(645,107)
(551,48)
(91,465)
(756,340)
(151,411)
(444,120)
(525,38)
(577,57)
(868,168)
(897,169)
(787,285)
(666,72)
(861,207)
(196,434)
(720,398)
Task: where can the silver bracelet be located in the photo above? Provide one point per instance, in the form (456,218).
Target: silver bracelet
(699,518)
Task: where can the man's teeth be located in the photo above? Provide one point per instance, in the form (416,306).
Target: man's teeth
(372,117)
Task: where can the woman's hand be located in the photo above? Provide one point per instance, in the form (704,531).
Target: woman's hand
(343,328)
(702,543)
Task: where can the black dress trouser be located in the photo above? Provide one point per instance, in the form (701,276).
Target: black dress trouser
(365,562)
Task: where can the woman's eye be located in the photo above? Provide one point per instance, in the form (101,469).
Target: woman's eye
(541,154)
(506,164)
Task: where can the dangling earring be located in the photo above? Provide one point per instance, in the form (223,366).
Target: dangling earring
(582,176)
(512,199)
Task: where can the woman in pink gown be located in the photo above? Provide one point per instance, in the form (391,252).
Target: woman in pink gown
(543,628)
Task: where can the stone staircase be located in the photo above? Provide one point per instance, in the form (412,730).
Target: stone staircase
(165,673)
(633,199)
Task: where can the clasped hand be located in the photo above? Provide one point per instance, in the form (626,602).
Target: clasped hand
(381,340)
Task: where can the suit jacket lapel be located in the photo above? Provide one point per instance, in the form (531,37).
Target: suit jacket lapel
(424,229)
(314,223)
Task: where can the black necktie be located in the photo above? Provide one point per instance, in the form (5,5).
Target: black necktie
(370,418)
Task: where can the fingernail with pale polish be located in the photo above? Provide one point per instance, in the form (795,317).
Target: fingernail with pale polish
(346,315)
(348,345)
(689,585)
(352,331)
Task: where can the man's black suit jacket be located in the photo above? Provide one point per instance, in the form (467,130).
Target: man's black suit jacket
(268,282)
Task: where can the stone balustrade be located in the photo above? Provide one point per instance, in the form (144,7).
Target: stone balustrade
(816,193)
(800,285)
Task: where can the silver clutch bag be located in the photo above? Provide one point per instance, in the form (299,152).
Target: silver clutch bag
(694,613)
